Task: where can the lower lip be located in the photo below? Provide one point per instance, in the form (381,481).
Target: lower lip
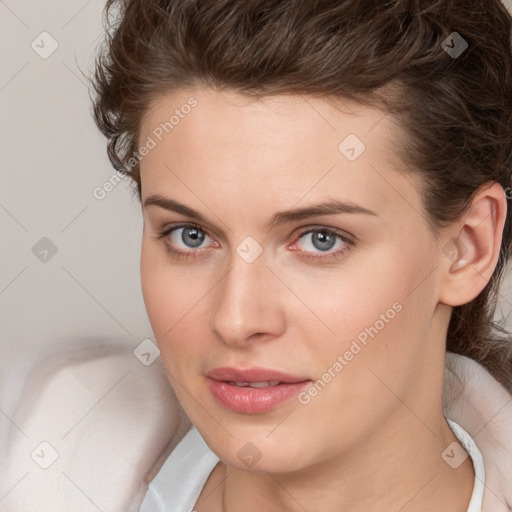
(249,400)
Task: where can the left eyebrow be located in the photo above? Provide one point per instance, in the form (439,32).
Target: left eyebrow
(332,207)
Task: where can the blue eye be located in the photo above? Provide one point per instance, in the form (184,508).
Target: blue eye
(190,236)
(322,240)
(321,244)
(184,241)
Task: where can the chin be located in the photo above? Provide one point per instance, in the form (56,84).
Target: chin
(275,464)
(252,449)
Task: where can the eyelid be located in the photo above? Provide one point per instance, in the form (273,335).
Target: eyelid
(173,227)
(344,235)
(160,219)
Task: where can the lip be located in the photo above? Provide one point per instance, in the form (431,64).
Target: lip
(249,400)
(255,374)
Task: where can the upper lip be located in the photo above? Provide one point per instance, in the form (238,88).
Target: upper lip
(256,374)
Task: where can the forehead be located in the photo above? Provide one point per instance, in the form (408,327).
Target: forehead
(288,147)
(247,120)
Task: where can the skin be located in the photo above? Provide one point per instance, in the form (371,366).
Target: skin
(372,438)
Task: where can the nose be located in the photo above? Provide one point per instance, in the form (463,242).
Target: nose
(248,306)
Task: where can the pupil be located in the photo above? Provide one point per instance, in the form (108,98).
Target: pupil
(192,237)
(323,241)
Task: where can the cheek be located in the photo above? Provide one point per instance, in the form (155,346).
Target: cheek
(365,292)
(381,331)
(378,313)
(155,290)
(175,301)
(168,292)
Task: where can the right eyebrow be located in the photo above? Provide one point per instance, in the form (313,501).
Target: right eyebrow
(173,206)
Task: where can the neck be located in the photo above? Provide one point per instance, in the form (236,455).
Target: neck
(400,468)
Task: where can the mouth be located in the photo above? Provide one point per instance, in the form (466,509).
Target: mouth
(253,390)
(254,384)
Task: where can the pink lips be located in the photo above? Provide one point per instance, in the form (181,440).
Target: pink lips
(273,387)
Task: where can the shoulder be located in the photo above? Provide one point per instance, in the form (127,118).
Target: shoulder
(85,413)
(483,407)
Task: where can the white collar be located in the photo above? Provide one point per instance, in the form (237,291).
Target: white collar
(475,400)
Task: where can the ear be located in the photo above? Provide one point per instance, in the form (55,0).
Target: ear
(472,245)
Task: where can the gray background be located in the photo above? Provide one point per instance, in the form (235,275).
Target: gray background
(52,157)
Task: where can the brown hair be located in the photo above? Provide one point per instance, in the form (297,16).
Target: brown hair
(455,109)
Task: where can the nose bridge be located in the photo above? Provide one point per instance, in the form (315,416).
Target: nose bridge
(245,304)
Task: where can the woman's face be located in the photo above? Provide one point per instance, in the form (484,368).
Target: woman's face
(294,298)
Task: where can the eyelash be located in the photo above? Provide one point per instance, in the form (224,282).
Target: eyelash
(192,254)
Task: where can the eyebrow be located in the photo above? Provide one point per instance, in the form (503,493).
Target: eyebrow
(330,207)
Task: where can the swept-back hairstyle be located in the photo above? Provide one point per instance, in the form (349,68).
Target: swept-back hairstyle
(408,57)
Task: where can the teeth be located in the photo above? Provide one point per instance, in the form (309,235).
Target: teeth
(264,384)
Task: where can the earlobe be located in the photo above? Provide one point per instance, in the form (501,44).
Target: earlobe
(471,255)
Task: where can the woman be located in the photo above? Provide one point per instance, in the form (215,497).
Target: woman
(324,188)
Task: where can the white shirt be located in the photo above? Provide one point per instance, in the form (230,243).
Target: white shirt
(181,478)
